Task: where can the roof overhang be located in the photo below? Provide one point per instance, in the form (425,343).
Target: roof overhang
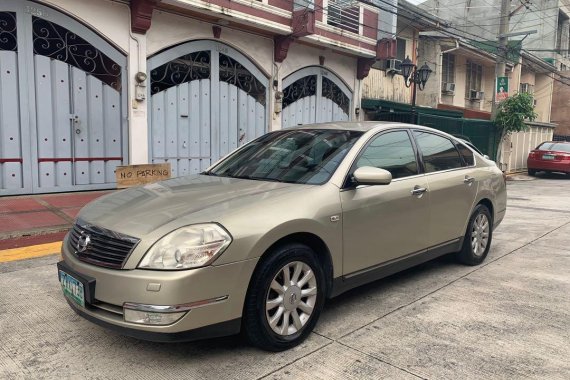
(537,64)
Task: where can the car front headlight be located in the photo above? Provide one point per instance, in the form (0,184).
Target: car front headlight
(187,247)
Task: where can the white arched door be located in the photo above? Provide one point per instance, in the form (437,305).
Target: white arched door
(206,100)
(314,95)
(62,103)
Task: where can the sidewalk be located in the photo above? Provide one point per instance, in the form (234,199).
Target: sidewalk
(38,219)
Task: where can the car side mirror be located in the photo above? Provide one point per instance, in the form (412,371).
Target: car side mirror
(486,157)
(368,175)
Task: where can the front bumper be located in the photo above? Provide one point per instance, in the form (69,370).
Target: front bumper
(113,288)
(212,331)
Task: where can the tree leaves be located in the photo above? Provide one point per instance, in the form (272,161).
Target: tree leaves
(513,112)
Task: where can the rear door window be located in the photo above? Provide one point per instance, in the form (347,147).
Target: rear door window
(438,152)
(467,155)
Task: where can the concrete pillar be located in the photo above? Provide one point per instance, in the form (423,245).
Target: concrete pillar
(138,115)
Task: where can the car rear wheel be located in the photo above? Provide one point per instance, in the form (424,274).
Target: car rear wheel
(477,240)
(531,172)
(285,298)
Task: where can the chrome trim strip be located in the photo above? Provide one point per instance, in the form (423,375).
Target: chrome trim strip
(173,308)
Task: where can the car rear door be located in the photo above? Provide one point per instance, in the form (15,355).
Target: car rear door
(453,182)
(385,222)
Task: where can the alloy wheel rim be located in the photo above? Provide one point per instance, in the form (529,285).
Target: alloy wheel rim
(291,298)
(480,234)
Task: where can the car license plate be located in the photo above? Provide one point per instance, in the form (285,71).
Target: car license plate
(547,157)
(72,288)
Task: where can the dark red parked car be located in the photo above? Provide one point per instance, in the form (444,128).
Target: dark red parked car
(550,156)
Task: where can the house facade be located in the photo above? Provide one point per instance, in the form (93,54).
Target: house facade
(87,85)
(464,78)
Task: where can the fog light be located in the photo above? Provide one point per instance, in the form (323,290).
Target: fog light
(151,318)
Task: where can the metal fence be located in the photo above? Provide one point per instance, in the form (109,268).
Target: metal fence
(516,146)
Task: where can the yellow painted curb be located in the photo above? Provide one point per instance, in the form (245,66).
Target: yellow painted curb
(30,252)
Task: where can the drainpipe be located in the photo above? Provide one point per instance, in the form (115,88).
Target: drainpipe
(440,74)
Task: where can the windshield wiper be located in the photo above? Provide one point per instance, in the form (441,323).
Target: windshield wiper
(260,178)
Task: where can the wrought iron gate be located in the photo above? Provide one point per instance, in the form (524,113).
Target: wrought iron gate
(314,95)
(206,100)
(62,109)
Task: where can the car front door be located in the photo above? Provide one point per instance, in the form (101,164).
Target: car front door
(453,184)
(382,223)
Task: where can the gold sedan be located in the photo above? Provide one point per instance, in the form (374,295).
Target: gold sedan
(261,239)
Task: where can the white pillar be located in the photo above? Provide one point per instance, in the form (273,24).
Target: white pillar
(138,115)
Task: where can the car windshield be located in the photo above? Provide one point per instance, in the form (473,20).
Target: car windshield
(304,156)
(558,147)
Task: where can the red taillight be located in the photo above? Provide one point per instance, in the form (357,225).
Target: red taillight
(563,156)
(533,154)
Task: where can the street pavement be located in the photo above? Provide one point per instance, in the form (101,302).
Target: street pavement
(508,318)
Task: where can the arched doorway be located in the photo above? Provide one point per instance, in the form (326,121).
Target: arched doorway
(206,100)
(314,95)
(63,103)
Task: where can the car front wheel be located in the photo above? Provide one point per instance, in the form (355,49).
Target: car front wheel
(285,298)
(477,240)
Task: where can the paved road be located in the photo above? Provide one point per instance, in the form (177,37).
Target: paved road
(508,318)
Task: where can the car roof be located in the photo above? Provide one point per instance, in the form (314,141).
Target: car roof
(361,126)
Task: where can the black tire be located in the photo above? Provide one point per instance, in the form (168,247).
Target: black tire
(531,172)
(256,325)
(467,255)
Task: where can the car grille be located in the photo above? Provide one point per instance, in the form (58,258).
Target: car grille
(105,248)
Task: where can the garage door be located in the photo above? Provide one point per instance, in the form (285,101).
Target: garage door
(62,108)
(314,95)
(206,100)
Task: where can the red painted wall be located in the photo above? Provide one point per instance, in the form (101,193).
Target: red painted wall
(283,4)
(370,23)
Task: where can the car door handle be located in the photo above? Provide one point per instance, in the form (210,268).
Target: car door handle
(468,180)
(418,190)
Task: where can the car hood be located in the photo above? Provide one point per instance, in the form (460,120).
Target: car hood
(191,199)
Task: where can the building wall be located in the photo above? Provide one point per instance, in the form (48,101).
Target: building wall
(110,19)
(480,19)
(429,50)
(379,84)
(543,94)
(487,84)
(561,106)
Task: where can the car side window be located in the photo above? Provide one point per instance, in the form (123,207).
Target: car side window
(467,154)
(392,151)
(438,152)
